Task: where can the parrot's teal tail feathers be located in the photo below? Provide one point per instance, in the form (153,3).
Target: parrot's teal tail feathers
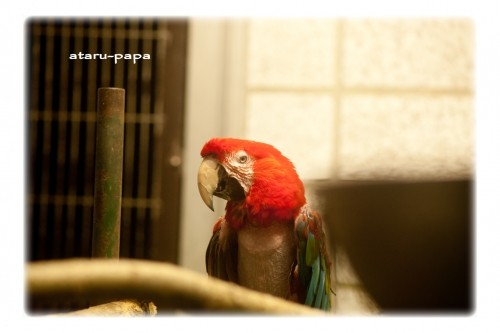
(321,292)
(313,261)
(313,284)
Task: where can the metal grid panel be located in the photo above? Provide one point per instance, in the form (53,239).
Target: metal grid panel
(62,106)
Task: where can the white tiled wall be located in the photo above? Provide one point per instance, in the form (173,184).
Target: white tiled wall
(383,98)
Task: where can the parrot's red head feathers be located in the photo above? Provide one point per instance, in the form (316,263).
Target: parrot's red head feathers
(224,147)
(272,189)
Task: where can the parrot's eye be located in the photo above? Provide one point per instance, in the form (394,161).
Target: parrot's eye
(242,157)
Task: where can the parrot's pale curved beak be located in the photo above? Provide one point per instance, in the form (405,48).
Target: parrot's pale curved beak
(208,180)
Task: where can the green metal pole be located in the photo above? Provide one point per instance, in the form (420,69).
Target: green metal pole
(108,172)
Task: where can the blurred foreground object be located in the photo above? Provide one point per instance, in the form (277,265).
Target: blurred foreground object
(409,242)
(128,308)
(169,287)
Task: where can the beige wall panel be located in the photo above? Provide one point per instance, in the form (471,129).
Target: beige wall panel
(397,137)
(421,54)
(291,53)
(300,125)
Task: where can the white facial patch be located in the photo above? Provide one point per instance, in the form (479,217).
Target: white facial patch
(239,165)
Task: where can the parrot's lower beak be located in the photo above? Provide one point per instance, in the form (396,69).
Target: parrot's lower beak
(214,180)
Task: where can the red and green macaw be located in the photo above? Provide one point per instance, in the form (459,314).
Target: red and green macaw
(269,239)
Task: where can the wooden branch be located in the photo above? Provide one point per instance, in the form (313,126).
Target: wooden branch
(170,287)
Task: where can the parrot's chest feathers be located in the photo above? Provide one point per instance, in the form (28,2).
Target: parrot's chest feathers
(265,257)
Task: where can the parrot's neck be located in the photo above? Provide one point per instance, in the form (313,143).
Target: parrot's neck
(265,257)
(264,210)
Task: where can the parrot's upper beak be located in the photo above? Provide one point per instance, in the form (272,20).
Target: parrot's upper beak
(208,179)
(214,180)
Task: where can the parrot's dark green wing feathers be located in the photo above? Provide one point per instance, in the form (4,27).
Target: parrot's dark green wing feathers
(313,262)
(222,253)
